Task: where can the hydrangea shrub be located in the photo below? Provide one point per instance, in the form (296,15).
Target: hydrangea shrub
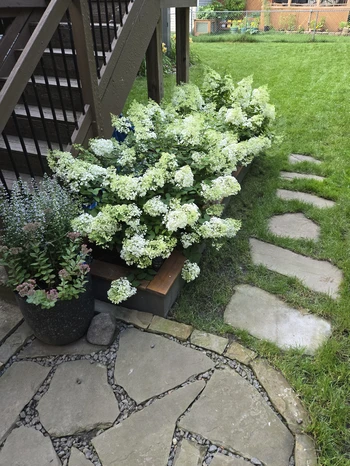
(163,186)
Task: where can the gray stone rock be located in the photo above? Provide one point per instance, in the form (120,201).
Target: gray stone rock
(28,447)
(265,316)
(130,316)
(305,453)
(300,176)
(231,413)
(189,454)
(170,327)
(77,458)
(17,386)
(38,349)
(320,276)
(240,353)
(79,399)
(316,201)
(102,330)
(297,158)
(223,460)
(209,341)
(294,226)
(145,437)
(281,395)
(15,342)
(148,365)
(10,318)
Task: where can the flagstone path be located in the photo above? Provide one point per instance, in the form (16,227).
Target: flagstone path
(263,314)
(148,399)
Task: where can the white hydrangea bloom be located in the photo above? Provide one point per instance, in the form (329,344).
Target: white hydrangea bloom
(179,216)
(140,251)
(219,228)
(155,206)
(190,271)
(120,290)
(221,187)
(75,173)
(125,186)
(184,177)
(188,239)
(101,147)
(235,116)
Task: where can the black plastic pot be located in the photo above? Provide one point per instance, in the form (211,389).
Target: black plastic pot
(64,323)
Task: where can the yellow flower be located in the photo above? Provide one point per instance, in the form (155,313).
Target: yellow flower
(164,48)
(191,40)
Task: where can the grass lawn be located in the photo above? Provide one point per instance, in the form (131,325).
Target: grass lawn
(309,84)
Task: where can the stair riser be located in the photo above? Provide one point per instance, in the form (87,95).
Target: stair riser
(20,162)
(26,132)
(45,101)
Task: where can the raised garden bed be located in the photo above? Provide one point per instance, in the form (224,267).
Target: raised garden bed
(156,296)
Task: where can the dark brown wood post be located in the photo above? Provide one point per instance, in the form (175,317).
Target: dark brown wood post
(154,64)
(79,13)
(182,45)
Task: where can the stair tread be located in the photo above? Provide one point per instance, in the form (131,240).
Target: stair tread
(34,112)
(52,81)
(15,145)
(58,51)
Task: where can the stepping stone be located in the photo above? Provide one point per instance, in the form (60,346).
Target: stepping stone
(320,276)
(145,437)
(297,158)
(240,353)
(37,349)
(281,395)
(209,341)
(231,413)
(316,201)
(294,226)
(77,458)
(15,342)
(148,365)
(265,316)
(300,176)
(10,318)
(79,400)
(305,453)
(223,460)
(189,454)
(170,327)
(130,316)
(28,447)
(102,329)
(18,385)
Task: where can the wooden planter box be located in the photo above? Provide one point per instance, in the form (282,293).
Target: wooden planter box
(156,296)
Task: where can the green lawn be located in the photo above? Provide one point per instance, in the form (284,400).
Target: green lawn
(309,84)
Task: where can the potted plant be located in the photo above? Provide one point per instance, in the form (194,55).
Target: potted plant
(45,261)
(235,24)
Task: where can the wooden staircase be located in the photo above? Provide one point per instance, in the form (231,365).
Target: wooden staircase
(64,66)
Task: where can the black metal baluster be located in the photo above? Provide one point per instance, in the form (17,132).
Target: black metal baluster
(42,116)
(3,181)
(32,129)
(60,92)
(94,40)
(114,20)
(101,32)
(126,6)
(9,153)
(47,84)
(67,76)
(120,12)
(107,26)
(24,147)
(75,60)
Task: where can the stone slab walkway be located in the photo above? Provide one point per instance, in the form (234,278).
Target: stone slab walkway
(316,201)
(300,176)
(294,226)
(269,318)
(319,276)
(147,399)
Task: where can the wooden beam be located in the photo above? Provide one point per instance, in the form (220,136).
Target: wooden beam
(23,3)
(29,58)
(154,65)
(79,13)
(182,45)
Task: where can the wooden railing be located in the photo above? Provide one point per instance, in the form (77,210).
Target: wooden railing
(65,65)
